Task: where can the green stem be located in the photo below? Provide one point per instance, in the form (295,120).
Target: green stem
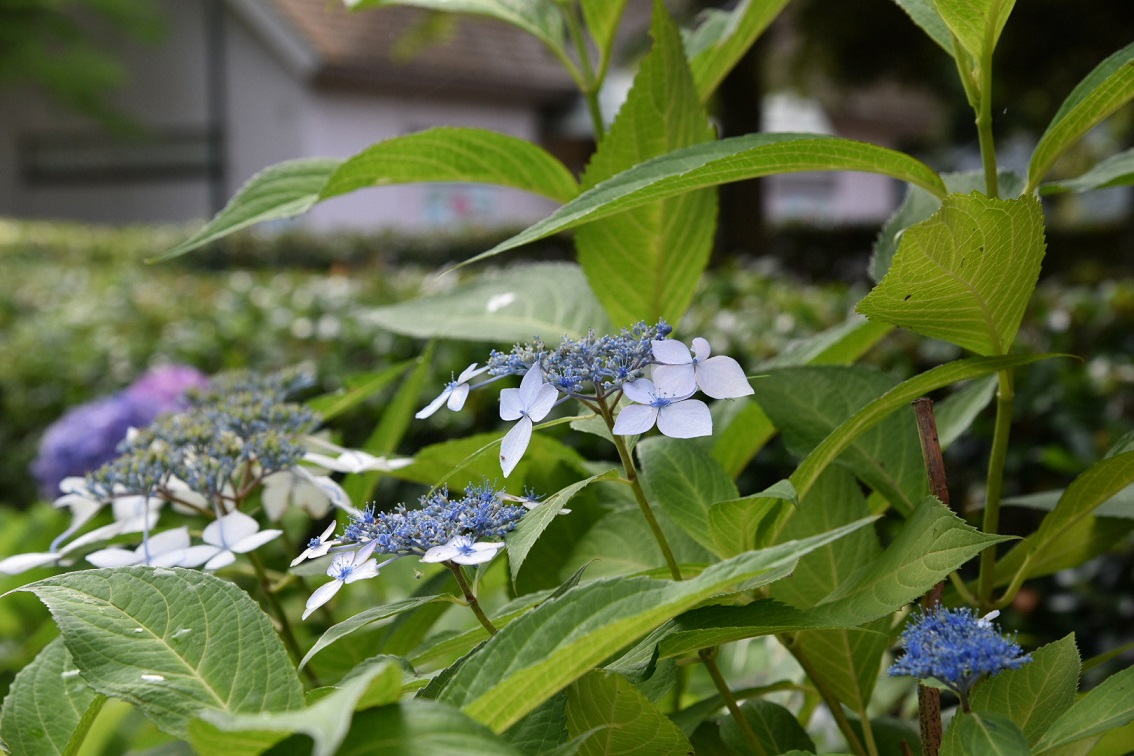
(281,617)
(830,699)
(1005,396)
(470,597)
(591,84)
(984,130)
(708,657)
(640,495)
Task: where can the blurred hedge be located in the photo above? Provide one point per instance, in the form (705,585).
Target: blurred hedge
(81,315)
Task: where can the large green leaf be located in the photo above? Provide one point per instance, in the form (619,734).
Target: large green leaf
(173,642)
(49,707)
(441,154)
(1109,705)
(924,14)
(1036,694)
(900,396)
(358,389)
(521,540)
(629,723)
(451,153)
(808,403)
(645,264)
(776,728)
(326,721)
(932,543)
(283,190)
(421,728)
(714,163)
(548,648)
(722,38)
(544,299)
(988,735)
(976,24)
(1116,170)
(621,543)
(540,18)
(1082,498)
(966,274)
(918,205)
(684,482)
(369,617)
(1104,90)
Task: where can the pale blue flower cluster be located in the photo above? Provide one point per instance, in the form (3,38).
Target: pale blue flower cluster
(957,648)
(586,368)
(442,529)
(597,371)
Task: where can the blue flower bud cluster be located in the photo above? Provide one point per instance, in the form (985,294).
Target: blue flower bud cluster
(240,419)
(584,368)
(480,513)
(957,648)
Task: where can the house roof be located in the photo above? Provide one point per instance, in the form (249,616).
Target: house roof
(413,50)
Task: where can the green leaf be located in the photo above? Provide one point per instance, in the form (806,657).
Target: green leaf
(684,482)
(743,435)
(714,163)
(326,721)
(1086,493)
(1036,694)
(545,299)
(357,390)
(1116,170)
(723,37)
(989,734)
(280,191)
(620,543)
(808,403)
(645,264)
(924,14)
(521,540)
(776,728)
(918,205)
(900,396)
(543,729)
(421,728)
(846,660)
(540,18)
(553,645)
(173,642)
(931,543)
(1104,90)
(451,153)
(602,18)
(966,274)
(976,24)
(396,419)
(629,723)
(735,524)
(366,618)
(956,412)
(840,345)
(49,707)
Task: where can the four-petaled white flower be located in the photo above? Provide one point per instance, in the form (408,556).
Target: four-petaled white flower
(345,568)
(455,392)
(676,415)
(317,547)
(234,533)
(462,550)
(165,549)
(528,404)
(684,370)
(299,487)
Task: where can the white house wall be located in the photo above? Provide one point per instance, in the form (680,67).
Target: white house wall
(340,124)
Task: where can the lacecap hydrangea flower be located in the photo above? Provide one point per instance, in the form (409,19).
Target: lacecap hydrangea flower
(442,529)
(657,374)
(957,648)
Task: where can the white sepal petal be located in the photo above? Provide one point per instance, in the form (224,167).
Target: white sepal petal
(635,419)
(722,377)
(671,352)
(514,445)
(686,419)
(321,595)
(641,390)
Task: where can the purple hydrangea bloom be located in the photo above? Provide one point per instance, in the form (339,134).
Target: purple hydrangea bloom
(87,436)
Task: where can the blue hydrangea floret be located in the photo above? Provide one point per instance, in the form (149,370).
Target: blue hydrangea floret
(957,648)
